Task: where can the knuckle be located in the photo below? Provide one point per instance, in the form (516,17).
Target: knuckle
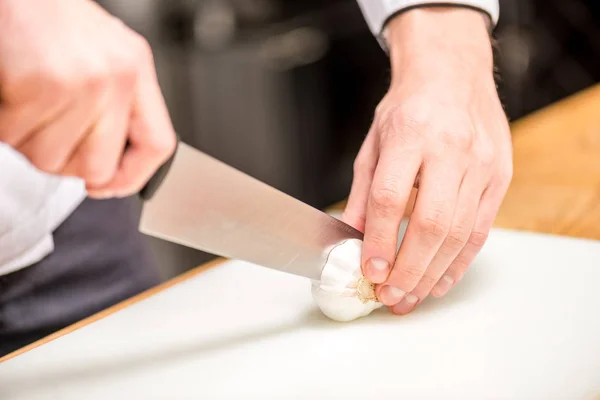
(402,128)
(485,156)
(382,110)
(362,167)
(456,239)
(409,277)
(379,240)
(96,76)
(386,201)
(505,175)
(459,265)
(433,225)
(55,80)
(142,48)
(478,238)
(400,124)
(161,146)
(461,140)
(425,285)
(95,171)
(125,70)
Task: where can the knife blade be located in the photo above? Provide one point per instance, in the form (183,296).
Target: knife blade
(200,202)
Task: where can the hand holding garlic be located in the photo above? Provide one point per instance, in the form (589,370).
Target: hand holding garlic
(441,129)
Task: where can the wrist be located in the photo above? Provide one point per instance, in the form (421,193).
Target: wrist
(437,39)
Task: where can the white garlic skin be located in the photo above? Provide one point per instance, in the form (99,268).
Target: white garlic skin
(336,294)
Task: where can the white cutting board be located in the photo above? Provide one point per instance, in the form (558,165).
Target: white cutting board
(523,324)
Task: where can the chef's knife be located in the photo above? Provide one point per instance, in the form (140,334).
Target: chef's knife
(200,202)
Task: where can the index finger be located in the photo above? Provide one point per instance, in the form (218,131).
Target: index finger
(390,191)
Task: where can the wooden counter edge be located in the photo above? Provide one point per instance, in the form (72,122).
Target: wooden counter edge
(119,306)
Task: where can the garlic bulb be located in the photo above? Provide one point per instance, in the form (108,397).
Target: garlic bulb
(344,294)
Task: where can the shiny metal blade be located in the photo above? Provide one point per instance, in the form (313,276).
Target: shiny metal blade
(207,205)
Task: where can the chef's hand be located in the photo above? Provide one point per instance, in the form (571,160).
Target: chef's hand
(76,84)
(440,128)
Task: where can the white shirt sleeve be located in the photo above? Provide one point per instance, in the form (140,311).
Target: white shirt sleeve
(378,12)
(32,205)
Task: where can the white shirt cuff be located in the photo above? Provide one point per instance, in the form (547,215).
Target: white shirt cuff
(378,12)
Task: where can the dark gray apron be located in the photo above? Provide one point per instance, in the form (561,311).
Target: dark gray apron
(100,258)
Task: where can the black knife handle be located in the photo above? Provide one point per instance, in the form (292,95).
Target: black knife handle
(155,180)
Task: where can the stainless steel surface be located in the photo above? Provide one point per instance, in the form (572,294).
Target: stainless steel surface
(208,205)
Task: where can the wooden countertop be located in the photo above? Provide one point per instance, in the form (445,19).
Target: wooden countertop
(555,187)
(556,180)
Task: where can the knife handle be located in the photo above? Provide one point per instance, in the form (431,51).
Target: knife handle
(155,181)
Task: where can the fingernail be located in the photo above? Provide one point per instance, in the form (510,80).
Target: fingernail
(411,299)
(377,270)
(379,264)
(391,295)
(406,305)
(443,286)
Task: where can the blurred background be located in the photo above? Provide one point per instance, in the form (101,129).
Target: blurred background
(285,90)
